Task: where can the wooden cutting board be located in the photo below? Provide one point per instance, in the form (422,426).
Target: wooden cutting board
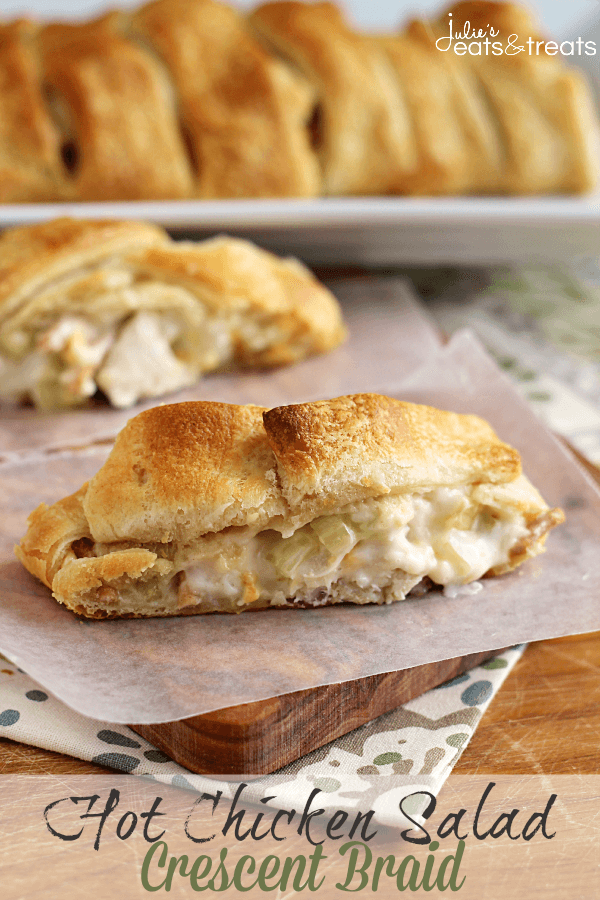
(256,738)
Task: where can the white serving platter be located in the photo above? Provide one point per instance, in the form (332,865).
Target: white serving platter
(370,231)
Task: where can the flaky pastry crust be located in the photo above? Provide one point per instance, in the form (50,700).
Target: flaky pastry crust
(78,299)
(404,447)
(243,111)
(204,474)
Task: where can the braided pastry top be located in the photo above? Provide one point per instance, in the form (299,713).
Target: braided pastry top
(191,99)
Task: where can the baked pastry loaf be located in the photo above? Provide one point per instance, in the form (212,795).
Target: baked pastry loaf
(120,307)
(189,98)
(244,113)
(113,105)
(31,166)
(207,507)
(527,123)
(363,133)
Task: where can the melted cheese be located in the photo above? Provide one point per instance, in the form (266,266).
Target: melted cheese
(441,534)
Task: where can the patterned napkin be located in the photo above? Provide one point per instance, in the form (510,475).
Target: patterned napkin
(410,749)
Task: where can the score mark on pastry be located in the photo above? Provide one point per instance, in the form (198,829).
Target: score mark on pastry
(209,507)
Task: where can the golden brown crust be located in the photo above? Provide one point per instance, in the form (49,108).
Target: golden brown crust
(179,471)
(230,303)
(539,528)
(51,533)
(442,156)
(364,139)
(334,452)
(189,98)
(30,161)
(115,108)
(476,145)
(539,109)
(34,255)
(88,574)
(233,276)
(244,112)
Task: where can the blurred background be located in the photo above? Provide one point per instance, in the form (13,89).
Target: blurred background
(560,18)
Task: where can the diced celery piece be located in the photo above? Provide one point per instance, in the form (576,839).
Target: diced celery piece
(334,534)
(289,553)
(486,520)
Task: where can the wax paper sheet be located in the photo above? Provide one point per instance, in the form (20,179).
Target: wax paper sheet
(159,670)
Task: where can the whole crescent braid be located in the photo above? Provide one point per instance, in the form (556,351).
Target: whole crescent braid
(191,99)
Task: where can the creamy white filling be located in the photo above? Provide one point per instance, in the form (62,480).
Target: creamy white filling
(441,534)
(19,379)
(74,357)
